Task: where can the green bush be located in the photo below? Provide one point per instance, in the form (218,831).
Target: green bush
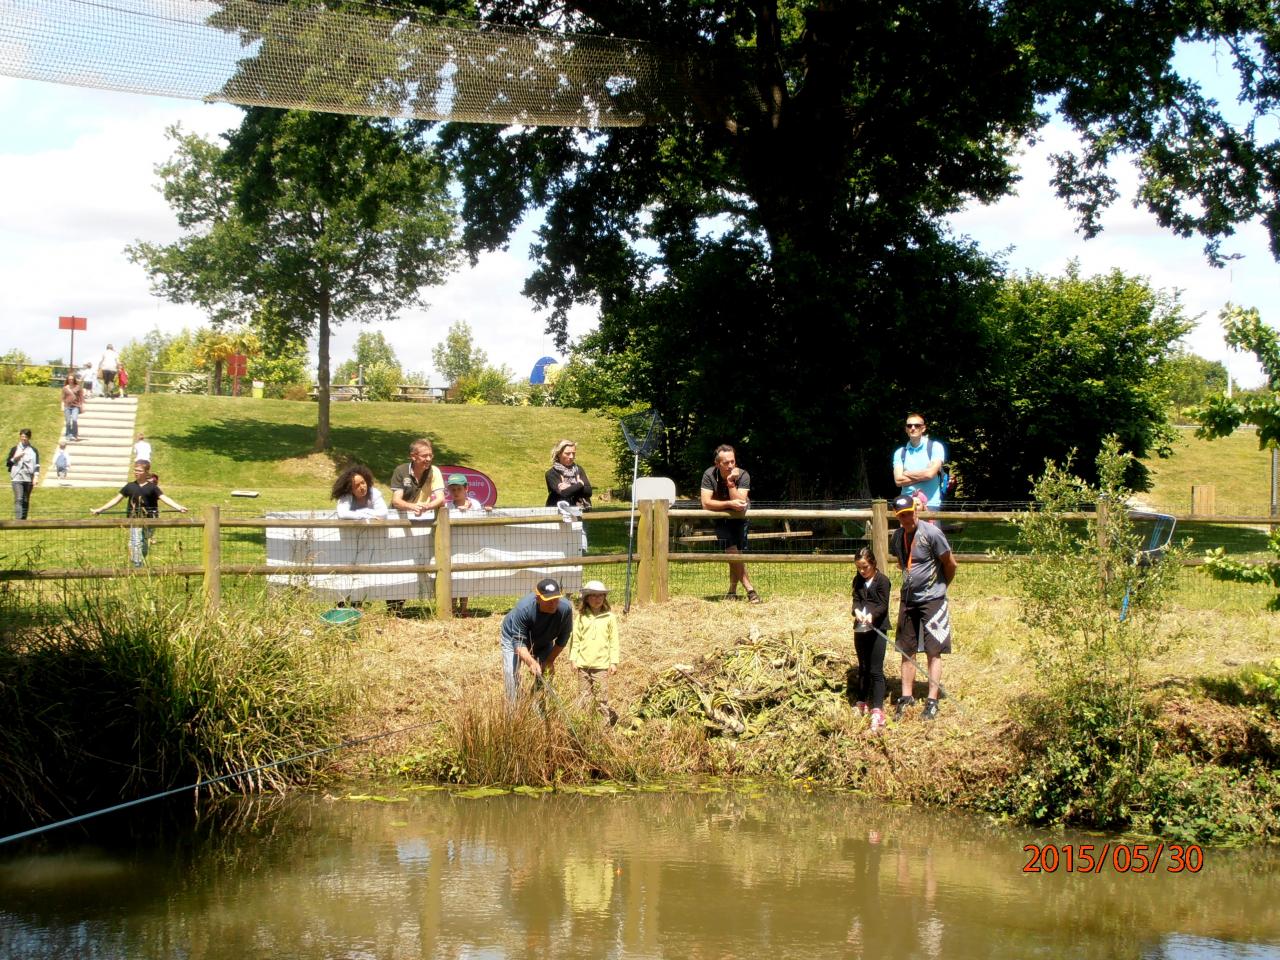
(41,376)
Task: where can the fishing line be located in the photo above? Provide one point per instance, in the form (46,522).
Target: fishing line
(208,782)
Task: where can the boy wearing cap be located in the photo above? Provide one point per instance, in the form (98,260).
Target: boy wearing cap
(459,501)
(534,633)
(924,617)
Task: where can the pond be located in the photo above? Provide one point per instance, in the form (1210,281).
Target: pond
(698,871)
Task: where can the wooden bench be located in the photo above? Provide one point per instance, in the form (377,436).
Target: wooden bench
(419,393)
(341,392)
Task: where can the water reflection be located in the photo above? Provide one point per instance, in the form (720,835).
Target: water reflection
(694,874)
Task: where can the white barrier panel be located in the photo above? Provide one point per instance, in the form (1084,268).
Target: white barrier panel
(296,549)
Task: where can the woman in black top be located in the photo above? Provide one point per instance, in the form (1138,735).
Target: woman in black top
(566,480)
(870,634)
(144,495)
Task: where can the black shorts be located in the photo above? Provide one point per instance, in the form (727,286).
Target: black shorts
(108,377)
(732,533)
(924,628)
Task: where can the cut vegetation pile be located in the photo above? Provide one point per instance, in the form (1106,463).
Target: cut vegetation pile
(759,687)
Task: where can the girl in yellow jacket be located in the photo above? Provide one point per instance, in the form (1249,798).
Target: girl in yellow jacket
(593,649)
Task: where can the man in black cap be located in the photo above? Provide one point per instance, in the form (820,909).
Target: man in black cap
(534,633)
(924,616)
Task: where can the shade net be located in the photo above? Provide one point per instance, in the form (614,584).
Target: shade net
(368,61)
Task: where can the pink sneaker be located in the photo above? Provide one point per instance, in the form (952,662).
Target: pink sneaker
(861,708)
(877,721)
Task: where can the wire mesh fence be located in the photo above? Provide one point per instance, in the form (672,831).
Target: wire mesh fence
(496,558)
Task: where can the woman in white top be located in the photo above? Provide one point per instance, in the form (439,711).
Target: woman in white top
(358,498)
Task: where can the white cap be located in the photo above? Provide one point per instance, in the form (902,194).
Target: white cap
(594,586)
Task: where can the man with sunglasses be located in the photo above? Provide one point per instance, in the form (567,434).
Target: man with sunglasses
(917,465)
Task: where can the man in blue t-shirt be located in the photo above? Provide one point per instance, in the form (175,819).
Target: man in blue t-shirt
(917,466)
(534,633)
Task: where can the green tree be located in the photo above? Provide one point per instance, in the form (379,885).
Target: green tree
(458,357)
(302,221)
(1192,379)
(1221,415)
(377,359)
(1064,361)
(774,257)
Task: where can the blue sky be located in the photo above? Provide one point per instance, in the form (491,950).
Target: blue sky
(78,169)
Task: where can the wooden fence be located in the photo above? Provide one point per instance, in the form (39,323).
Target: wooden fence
(653,557)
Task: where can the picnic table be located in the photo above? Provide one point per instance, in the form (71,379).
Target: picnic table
(419,393)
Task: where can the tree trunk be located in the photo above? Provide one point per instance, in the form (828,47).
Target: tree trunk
(217,378)
(322,371)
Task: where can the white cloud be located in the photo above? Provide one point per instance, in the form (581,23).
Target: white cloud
(79,165)
(1042,234)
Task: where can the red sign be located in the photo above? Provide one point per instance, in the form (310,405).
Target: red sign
(237,363)
(73,323)
(478,485)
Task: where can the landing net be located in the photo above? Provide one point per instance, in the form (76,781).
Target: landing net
(371,62)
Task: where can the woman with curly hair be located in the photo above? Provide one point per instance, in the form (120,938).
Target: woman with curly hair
(358,498)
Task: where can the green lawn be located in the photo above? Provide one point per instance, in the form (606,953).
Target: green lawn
(1238,470)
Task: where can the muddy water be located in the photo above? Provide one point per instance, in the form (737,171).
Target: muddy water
(736,873)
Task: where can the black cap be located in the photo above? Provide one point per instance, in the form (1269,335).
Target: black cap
(548,588)
(904,505)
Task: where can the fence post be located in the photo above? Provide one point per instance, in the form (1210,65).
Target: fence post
(1202,500)
(644,552)
(880,533)
(444,564)
(661,551)
(212,558)
(146,384)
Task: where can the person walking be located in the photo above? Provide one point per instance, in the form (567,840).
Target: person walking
(141,448)
(593,648)
(924,616)
(23,464)
(72,404)
(534,634)
(725,489)
(145,496)
(62,459)
(871,590)
(108,365)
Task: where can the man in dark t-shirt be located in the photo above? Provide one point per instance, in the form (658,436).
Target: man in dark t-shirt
(725,489)
(534,633)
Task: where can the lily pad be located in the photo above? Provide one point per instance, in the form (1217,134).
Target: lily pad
(478,793)
(367,797)
(527,791)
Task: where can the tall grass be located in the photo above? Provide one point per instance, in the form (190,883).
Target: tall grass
(540,741)
(136,690)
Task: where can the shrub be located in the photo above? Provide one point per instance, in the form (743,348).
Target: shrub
(41,376)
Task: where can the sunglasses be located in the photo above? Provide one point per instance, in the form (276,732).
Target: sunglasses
(915,426)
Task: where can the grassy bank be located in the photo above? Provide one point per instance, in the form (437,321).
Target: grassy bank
(1214,722)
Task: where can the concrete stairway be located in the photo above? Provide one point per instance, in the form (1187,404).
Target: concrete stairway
(102,457)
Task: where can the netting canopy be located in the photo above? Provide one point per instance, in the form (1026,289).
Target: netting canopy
(374,62)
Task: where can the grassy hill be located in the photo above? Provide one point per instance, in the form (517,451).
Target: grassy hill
(207,446)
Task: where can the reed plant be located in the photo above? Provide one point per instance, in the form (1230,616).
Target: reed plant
(541,740)
(135,689)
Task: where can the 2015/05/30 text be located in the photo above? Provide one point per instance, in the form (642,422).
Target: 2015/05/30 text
(1116,857)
